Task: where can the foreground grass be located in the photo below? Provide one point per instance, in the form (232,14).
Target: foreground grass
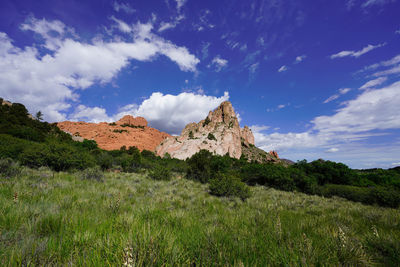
(58,219)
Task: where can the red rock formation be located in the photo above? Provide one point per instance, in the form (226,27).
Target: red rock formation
(129,120)
(274,154)
(128,131)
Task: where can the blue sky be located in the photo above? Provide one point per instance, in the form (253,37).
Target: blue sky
(318,80)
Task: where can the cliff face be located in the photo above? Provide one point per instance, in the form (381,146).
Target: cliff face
(128,131)
(219,133)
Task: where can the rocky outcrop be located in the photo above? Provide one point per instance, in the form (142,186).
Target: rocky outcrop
(130,120)
(218,133)
(274,154)
(128,131)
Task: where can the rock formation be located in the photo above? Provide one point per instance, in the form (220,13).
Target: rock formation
(218,133)
(128,131)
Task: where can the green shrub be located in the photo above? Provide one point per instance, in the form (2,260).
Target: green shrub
(129,163)
(160,173)
(228,185)
(9,168)
(199,166)
(104,160)
(382,196)
(206,121)
(211,137)
(94,173)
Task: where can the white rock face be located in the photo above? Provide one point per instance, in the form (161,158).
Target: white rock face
(219,133)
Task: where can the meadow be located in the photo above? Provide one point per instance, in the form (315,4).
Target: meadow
(66,218)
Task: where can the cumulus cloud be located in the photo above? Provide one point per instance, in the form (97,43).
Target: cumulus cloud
(373,83)
(283,68)
(357,54)
(50,82)
(341,91)
(219,63)
(171,113)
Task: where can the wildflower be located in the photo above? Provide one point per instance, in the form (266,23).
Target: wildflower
(128,257)
(342,237)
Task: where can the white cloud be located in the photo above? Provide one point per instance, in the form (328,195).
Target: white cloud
(373,109)
(171,113)
(253,67)
(373,83)
(50,82)
(396,164)
(341,91)
(122,26)
(170,25)
(123,7)
(332,150)
(283,68)
(369,3)
(51,31)
(359,119)
(95,114)
(397,32)
(394,70)
(331,98)
(219,63)
(180,4)
(357,54)
(300,58)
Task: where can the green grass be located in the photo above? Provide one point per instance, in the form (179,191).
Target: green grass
(51,218)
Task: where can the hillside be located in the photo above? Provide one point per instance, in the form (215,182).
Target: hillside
(52,218)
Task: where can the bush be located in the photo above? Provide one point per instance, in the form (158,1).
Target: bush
(129,163)
(199,168)
(104,160)
(160,173)
(382,196)
(229,185)
(211,137)
(9,168)
(94,173)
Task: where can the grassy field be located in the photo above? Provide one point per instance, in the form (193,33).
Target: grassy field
(49,218)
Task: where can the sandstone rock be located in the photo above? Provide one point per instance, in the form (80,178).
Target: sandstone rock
(274,154)
(130,120)
(218,133)
(128,131)
(247,136)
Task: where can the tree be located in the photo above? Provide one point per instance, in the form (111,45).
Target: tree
(39,116)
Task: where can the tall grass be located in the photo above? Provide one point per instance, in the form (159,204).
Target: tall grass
(51,218)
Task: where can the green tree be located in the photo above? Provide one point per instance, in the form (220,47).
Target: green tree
(39,116)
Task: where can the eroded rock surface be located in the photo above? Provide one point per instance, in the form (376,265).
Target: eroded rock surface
(218,133)
(128,131)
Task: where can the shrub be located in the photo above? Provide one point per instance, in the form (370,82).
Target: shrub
(94,173)
(129,163)
(160,173)
(199,166)
(228,185)
(211,137)
(191,135)
(206,121)
(104,160)
(9,168)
